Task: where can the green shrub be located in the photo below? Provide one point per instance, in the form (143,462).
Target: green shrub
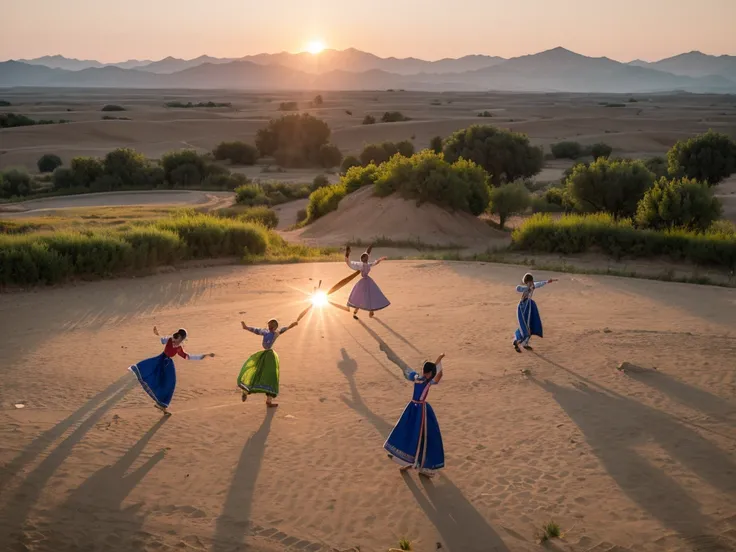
(5,103)
(435,144)
(507,200)
(106,183)
(10,120)
(329,156)
(369,120)
(111,118)
(609,186)
(405,148)
(317,100)
(723,227)
(294,140)
(238,153)
(485,114)
(357,177)
(64,178)
(301,216)
(15,182)
(657,166)
(262,215)
(175,159)
(206,236)
(187,105)
(48,163)
(320,181)
(125,164)
(154,246)
(566,150)
(86,170)
(113,107)
(225,181)
(288,106)
(282,192)
(600,150)
(505,155)
(682,203)
(380,153)
(250,194)
(618,238)
(394,117)
(348,162)
(709,157)
(186,176)
(324,200)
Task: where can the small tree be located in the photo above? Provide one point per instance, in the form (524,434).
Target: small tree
(566,150)
(48,163)
(125,164)
(405,148)
(347,162)
(16,182)
(186,175)
(394,117)
(709,157)
(63,178)
(174,159)
(373,153)
(435,144)
(238,153)
(86,170)
(506,156)
(508,200)
(682,203)
(611,186)
(318,100)
(600,150)
(369,120)
(329,156)
(296,138)
(320,181)
(657,166)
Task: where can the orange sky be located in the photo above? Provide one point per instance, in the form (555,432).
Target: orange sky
(153,29)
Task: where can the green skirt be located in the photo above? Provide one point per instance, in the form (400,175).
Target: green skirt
(260,373)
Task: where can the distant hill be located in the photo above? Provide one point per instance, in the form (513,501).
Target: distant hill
(694,64)
(553,70)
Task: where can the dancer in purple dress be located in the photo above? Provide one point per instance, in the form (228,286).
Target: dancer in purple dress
(366,294)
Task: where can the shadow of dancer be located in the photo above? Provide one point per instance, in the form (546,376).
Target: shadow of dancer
(46,439)
(390,354)
(100,500)
(348,366)
(613,426)
(19,504)
(398,335)
(233,523)
(460,525)
(712,405)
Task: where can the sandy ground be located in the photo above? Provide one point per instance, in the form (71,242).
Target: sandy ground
(648,127)
(643,460)
(118,199)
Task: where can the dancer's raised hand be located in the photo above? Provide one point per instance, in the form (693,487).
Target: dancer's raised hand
(347,251)
(155,331)
(245,327)
(211,355)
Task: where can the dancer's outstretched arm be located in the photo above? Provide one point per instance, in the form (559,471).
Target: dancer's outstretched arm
(438,362)
(257,331)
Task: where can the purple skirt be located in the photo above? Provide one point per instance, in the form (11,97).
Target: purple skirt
(366,295)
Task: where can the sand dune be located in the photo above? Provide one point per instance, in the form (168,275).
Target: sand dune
(643,460)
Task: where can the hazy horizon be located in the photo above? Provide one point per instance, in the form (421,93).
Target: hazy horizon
(114,32)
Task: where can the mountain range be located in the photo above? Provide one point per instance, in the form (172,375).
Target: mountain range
(549,71)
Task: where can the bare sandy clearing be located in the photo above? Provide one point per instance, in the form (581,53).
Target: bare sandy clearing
(643,460)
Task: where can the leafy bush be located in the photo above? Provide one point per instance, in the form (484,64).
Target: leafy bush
(64,178)
(348,162)
(566,150)
(405,148)
(5,103)
(618,238)
(294,140)
(318,100)
(600,150)
(186,176)
(301,216)
(394,117)
(154,246)
(15,182)
(250,194)
(106,183)
(357,177)
(238,153)
(709,157)
(48,163)
(206,236)
(324,200)
(508,200)
(435,144)
(125,164)
(113,107)
(505,155)
(85,171)
(10,120)
(329,156)
(262,215)
(380,153)
(224,181)
(657,166)
(288,106)
(188,105)
(175,159)
(111,118)
(369,120)
(682,203)
(320,181)
(614,187)
(486,114)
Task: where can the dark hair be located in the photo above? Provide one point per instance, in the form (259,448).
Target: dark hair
(364,256)
(528,278)
(180,333)
(274,322)
(430,367)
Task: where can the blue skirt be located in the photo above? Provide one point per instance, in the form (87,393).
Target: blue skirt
(529,321)
(416,439)
(157,376)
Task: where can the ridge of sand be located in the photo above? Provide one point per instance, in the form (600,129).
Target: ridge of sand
(361,215)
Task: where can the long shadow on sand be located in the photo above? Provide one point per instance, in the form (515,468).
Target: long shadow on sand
(19,504)
(233,524)
(615,425)
(397,334)
(389,352)
(100,499)
(698,399)
(461,526)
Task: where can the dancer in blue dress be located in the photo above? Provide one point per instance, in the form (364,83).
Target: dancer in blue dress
(157,375)
(527,314)
(416,441)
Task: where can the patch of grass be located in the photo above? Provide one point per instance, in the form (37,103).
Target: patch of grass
(113,107)
(260,214)
(189,105)
(112,118)
(279,251)
(550,530)
(405,544)
(394,117)
(485,114)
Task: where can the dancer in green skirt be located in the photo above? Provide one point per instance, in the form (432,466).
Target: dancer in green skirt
(260,373)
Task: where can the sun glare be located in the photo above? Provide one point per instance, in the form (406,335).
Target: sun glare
(319,299)
(315,47)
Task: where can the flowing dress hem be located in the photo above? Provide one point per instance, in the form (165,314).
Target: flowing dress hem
(146,388)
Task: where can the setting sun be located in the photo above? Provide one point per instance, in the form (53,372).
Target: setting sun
(315,47)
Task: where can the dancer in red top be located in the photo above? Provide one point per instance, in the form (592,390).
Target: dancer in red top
(157,375)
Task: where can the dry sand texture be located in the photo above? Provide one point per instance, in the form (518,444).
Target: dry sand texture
(648,127)
(643,460)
